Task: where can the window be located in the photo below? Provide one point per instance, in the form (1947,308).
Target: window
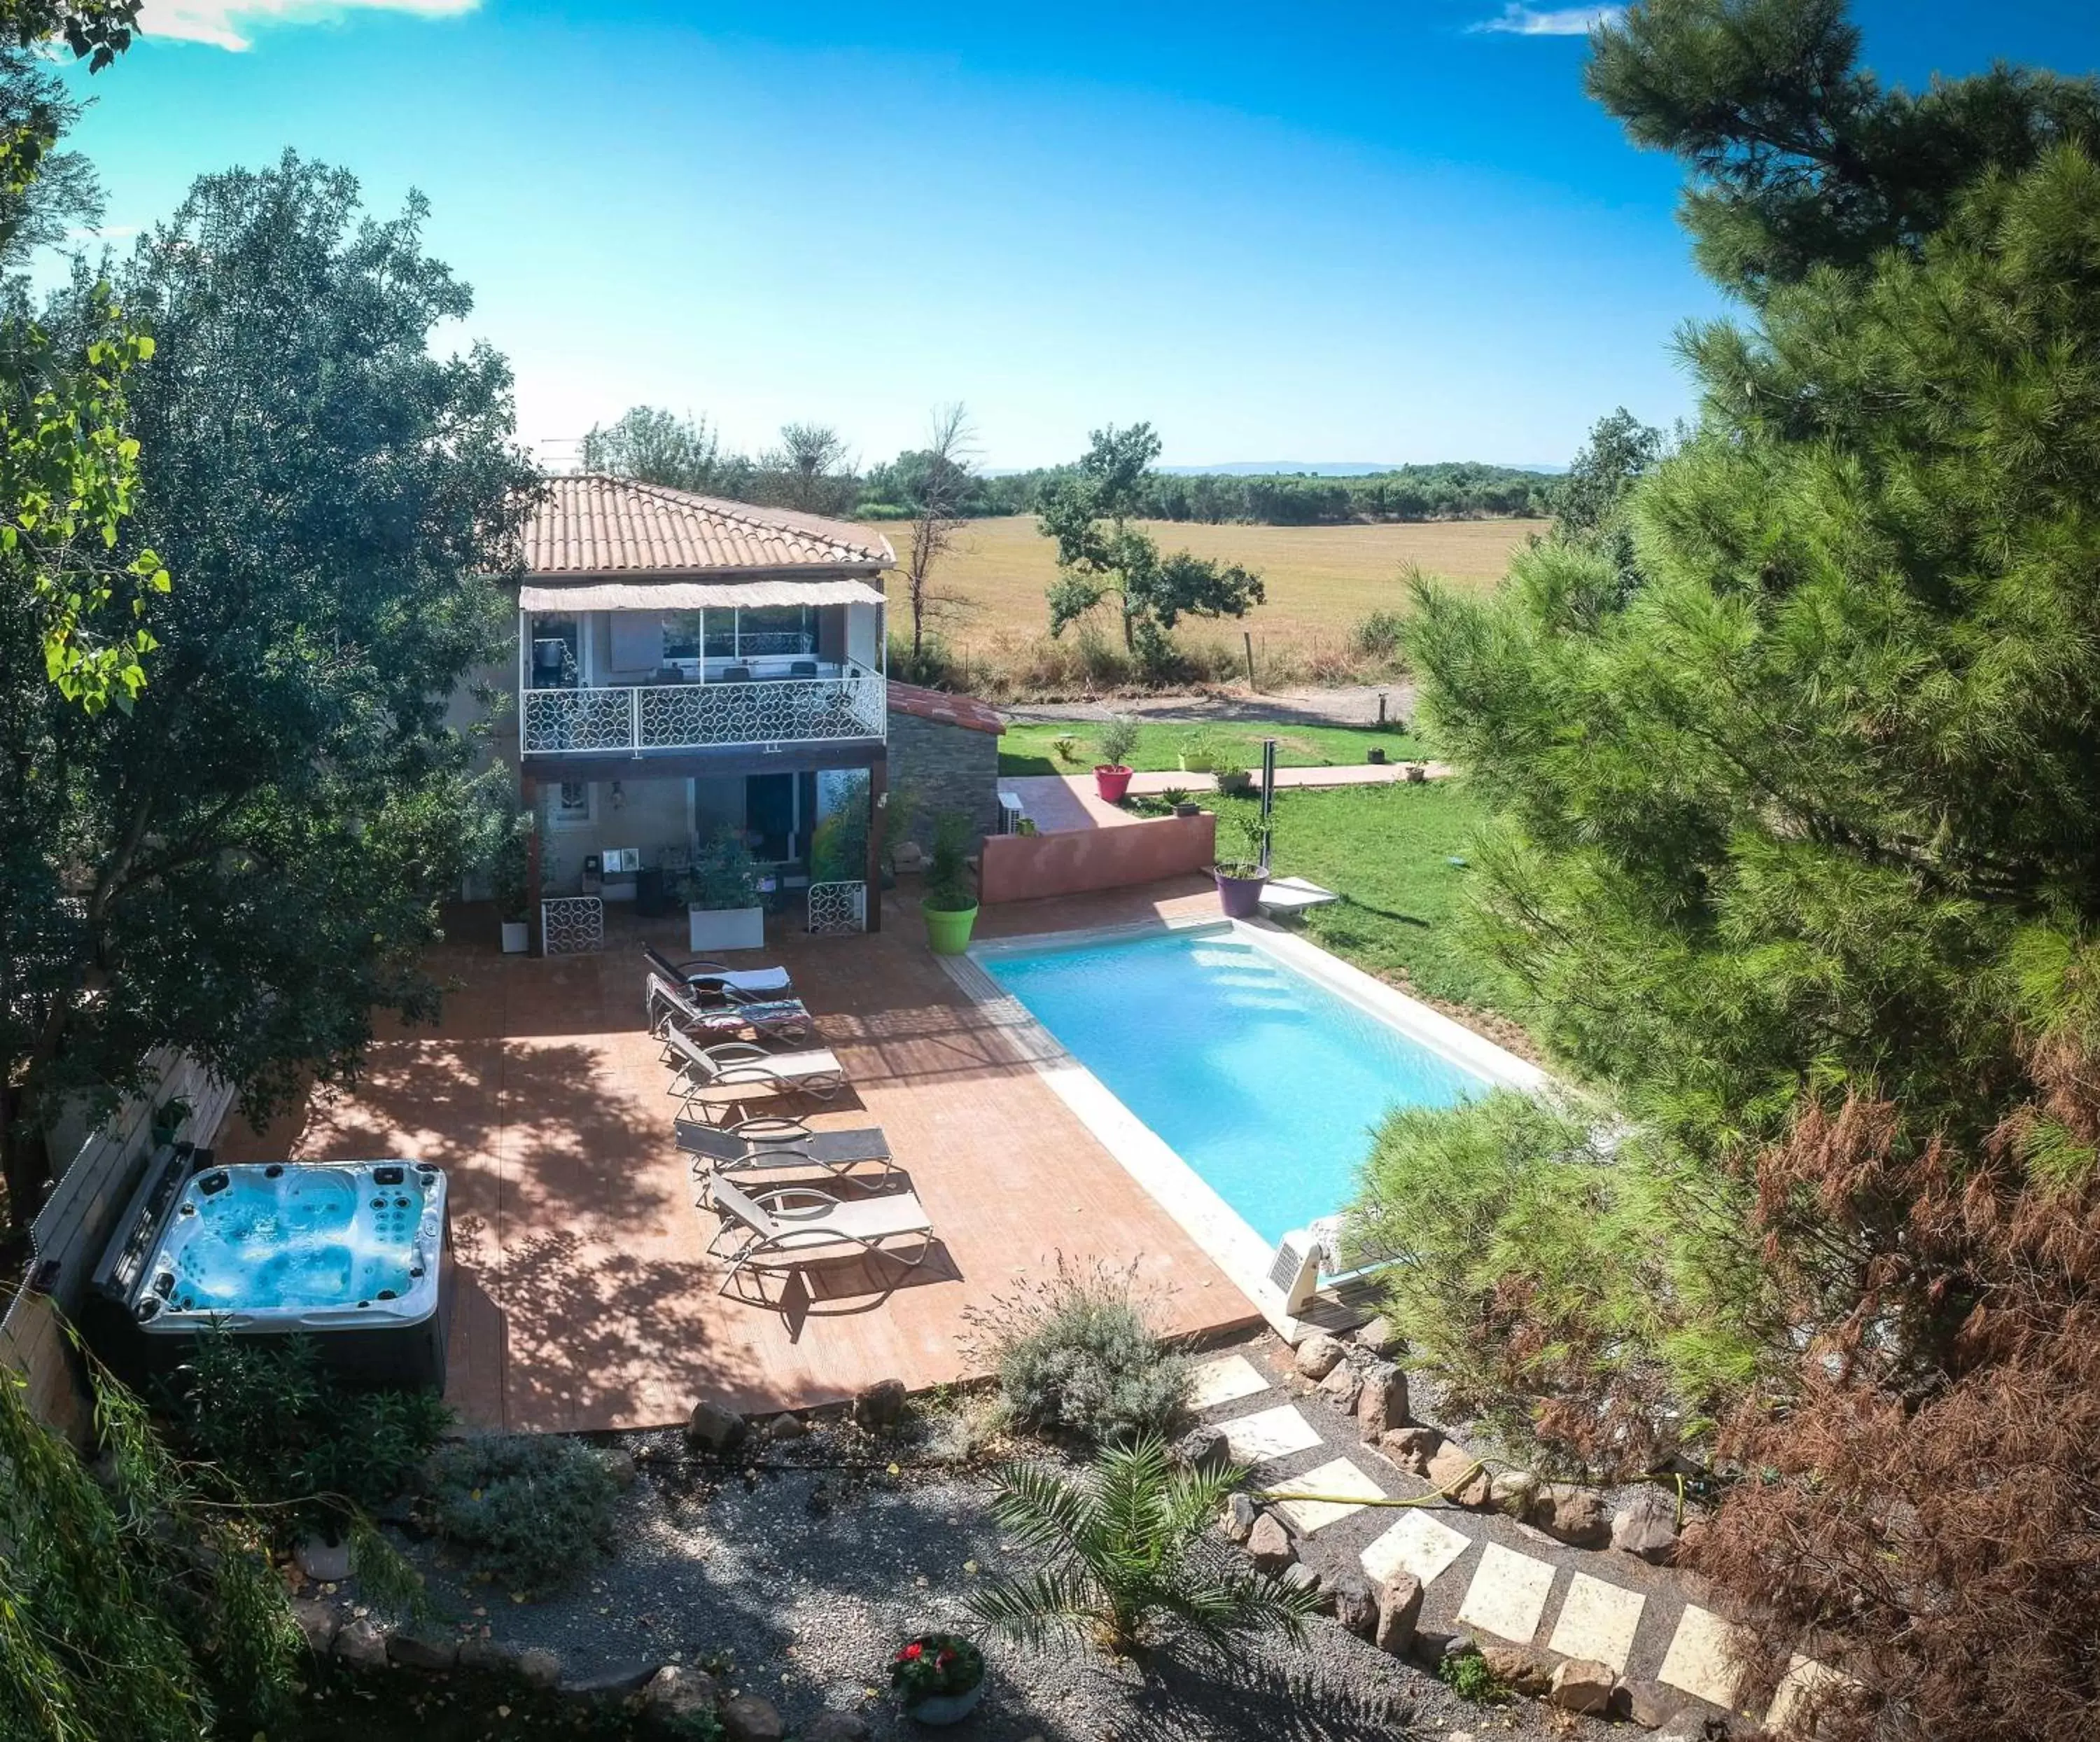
(776,628)
(572,804)
(554,652)
(682,638)
(721,634)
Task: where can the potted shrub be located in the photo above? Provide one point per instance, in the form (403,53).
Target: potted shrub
(950,904)
(722,897)
(1235,780)
(1112,772)
(1241,879)
(1203,753)
(938,1677)
(1178,801)
(168,1119)
(506,878)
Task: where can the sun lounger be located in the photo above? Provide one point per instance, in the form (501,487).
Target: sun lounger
(666,1006)
(739,1065)
(785,1226)
(706,976)
(763,1142)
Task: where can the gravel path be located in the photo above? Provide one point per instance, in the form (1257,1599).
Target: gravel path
(808,1574)
(1347,704)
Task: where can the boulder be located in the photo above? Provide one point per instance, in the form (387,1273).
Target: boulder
(1648,1703)
(713,1428)
(1317,1355)
(1400,1607)
(1411,1448)
(319,1621)
(1353,1600)
(325,1563)
(880,1404)
(1204,1450)
(1582,1684)
(1513,1492)
(1455,1472)
(1692,1724)
(787,1426)
(676,1692)
(483,1656)
(751,1717)
(836,1726)
(1298,1577)
(1647,1526)
(614,1683)
(1269,1543)
(540,1667)
(620,1466)
(1524,1667)
(422,1647)
(361,1645)
(1380,1338)
(1382,1405)
(1241,1514)
(1573,1515)
(1344,1384)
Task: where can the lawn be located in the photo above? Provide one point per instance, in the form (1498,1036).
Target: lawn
(1032,748)
(1388,851)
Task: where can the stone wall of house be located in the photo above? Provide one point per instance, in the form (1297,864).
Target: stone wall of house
(943,767)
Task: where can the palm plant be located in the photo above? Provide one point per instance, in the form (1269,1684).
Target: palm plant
(1127,1557)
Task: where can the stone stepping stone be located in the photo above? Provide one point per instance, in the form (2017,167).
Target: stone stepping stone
(1698,1661)
(1598,1621)
(1273,1433)
(1224,1381)
(1340,1477)
(1508,1593)
(1418,1543)
(1805,1678)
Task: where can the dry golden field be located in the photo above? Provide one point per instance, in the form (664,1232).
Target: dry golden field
(1321,579)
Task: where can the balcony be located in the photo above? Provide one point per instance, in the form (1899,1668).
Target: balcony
(759,712)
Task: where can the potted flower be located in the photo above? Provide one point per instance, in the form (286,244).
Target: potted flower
(1240,879)
(722,897)
(1112,772)
(938,1677)
(949,903)
(506,878)
(168,1119)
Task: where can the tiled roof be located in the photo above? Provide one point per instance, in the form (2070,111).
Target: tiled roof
(587,523)
(946,710)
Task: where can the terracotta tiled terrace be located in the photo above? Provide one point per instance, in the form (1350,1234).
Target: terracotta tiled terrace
(585,1298)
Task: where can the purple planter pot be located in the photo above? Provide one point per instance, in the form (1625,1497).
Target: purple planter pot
(1239,896)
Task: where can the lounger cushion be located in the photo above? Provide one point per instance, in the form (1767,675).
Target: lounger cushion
(828,1149)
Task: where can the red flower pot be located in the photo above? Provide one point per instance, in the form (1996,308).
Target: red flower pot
(1111,780)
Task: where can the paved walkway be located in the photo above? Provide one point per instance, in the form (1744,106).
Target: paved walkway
(1481,1573)
(1057,803)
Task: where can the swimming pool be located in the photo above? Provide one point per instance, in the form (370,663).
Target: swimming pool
(1265,1081)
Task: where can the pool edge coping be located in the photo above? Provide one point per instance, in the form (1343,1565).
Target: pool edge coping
(1225,1236)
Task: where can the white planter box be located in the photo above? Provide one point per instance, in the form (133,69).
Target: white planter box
(517,937)
(726,928)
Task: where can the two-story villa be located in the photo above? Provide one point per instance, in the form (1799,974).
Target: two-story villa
(686,665)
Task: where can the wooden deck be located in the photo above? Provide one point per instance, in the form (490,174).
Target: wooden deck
(584,1299)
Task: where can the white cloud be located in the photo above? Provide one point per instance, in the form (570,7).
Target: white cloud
(224,23)
(1567,20)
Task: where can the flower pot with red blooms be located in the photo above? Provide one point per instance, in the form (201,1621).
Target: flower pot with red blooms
(938,1677)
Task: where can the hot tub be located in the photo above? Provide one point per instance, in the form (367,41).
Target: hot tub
(350,1254)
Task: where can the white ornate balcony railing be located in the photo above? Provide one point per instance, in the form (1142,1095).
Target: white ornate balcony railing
(688,716)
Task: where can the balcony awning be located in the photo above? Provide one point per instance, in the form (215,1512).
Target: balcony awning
(696,595)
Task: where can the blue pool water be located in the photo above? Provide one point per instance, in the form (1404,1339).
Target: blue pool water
(1263,1081)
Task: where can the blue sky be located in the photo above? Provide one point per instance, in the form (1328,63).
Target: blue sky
(1376,231)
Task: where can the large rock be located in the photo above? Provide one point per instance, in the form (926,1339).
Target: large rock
(1580,1685)
(880,1404)
(615,1682)
(676,1692)
(1651,1705)
(1317,1355)
(486,1656)
(1205,1450)
(540,1667)
(1345,1384)
(713,1427)
(1380,1338)
(1647,1526)
(1411,1448)
(751,1717)
(1513,1492)
(836,1726)
(620,1466)
(1524,1667)
(1242,1512)
(1456,1473)
(787,1426)
(1352,1599)
(1400,1608)
(325,1562)
(1269,1543)
(1573,1515)
(422,1647)
(319,1621)
(361,1645)
(1382,1405)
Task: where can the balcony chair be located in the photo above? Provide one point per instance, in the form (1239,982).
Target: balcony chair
(734,674)
(737,1064)
(711,980)
(788,1227)
(665,1004)
(764,1143)
(802,668)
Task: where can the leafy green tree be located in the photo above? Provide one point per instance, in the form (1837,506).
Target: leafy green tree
(656,446)
(249,862)
(815,467)
(1101,555)
(1796,868)
(1591,511)
(1129,1556)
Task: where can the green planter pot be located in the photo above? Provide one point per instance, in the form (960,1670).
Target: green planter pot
(948,929)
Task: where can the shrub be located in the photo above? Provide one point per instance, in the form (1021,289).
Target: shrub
(724,876)
(1117,739)
(947,887)
(1205,752)
(1066,746)
(286,1429)
(1470,1677)
(1076,1356)
(529,1509)
(1378,636)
